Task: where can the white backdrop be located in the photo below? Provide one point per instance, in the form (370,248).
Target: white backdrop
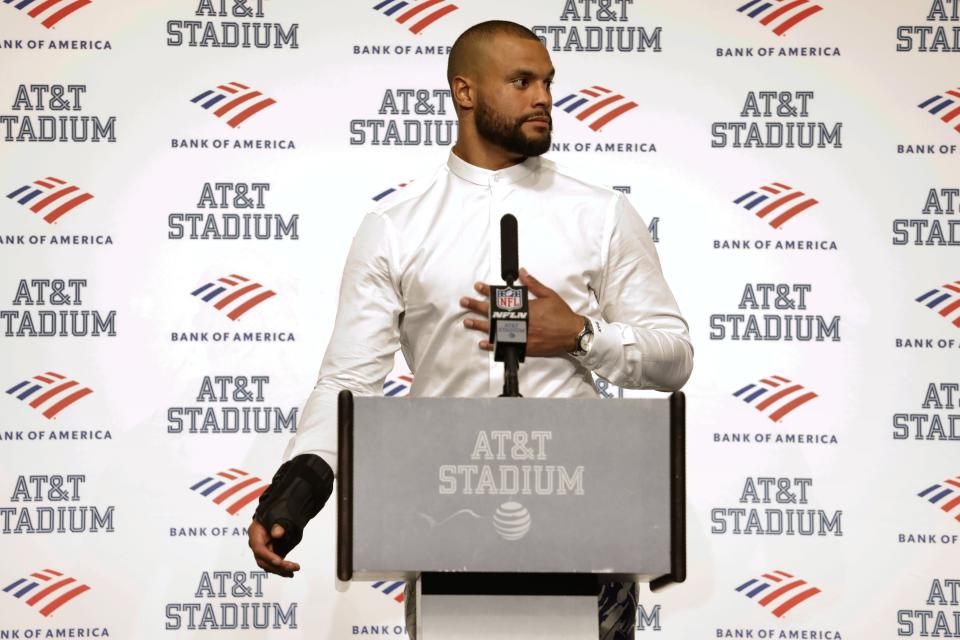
(158,557)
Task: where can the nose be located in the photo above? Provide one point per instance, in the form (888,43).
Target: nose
(541,97)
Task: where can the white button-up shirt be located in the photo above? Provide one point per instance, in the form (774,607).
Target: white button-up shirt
(422,249)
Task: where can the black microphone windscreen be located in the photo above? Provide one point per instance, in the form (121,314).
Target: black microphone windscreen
(509,267)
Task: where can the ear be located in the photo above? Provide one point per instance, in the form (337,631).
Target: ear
(462,91)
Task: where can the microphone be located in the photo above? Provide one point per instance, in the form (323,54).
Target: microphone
(509,263)
(509,310)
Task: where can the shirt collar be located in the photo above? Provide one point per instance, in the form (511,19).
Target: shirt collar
(484,177)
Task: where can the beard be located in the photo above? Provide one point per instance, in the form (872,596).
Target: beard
(494,127)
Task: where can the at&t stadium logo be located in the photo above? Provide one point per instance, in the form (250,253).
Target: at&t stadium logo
(222,29)
(940,622)
(782,301)
(930,423)
(229,600)
(68,127)
(937,227)
(225,405)
(63,491)
(422,124)
(58,292)
(604,32)
(782,122)
(935,36)
(789,514)
(225,225)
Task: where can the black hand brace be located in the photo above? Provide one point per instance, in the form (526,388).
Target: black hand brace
(298,491)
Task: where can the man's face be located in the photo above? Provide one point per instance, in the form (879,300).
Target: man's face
(513,100)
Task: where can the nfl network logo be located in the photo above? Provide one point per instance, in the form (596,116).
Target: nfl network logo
(509,299)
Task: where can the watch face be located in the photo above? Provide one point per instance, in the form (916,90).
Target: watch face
(586,342)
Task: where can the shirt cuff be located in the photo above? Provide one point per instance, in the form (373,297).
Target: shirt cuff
(606,345)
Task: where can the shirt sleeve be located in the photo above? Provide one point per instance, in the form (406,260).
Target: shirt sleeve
(641,341)
(366,335)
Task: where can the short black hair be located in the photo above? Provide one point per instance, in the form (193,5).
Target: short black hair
(463,48)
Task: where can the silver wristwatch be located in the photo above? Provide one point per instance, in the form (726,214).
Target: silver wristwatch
(584,339)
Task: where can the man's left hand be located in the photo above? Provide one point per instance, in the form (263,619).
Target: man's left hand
(553,326)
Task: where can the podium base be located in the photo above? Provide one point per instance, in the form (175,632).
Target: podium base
(485,617)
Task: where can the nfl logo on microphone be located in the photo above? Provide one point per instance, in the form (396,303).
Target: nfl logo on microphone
(509,299)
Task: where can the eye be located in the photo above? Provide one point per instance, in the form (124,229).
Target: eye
(521,83)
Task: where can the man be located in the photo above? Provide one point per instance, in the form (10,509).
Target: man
(602,305)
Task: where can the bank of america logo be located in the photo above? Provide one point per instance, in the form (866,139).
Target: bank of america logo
(399,386)
(383,194)
(233,488)
(778,590)
(234,101)
(945,495)
(775,396)
(233,294)
(47,589)
(49,197)
(944,300)
(393,589)
(780,16)
(419,15)
(939,104)
(49,393)
(776,203)
(595,105)
(48,12)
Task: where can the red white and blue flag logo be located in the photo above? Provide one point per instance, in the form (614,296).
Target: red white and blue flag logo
(399,386)
(49,393)
(233,488)
(775,396)
(233,101)
(383,194)
(48,12)
(776,203)
(944,300)
(945,106)
(49,197)
(48,590)
(945,495)
(778,590)
(780,15)
(417,16)
(595,105)
(393,589)
(234,294)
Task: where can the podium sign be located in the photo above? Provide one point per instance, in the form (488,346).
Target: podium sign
(505,485)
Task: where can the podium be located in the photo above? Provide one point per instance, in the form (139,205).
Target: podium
(508,513)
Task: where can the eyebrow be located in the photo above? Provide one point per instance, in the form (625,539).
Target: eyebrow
(528,73)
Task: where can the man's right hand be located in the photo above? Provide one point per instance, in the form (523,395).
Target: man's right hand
(262,546)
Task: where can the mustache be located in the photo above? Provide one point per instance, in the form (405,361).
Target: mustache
(542,114)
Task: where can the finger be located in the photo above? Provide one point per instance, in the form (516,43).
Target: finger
(477,325)
(479,306)
(486,345)
(482,288)
(277,531)
(536,287)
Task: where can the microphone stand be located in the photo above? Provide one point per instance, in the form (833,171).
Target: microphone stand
(511,368)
